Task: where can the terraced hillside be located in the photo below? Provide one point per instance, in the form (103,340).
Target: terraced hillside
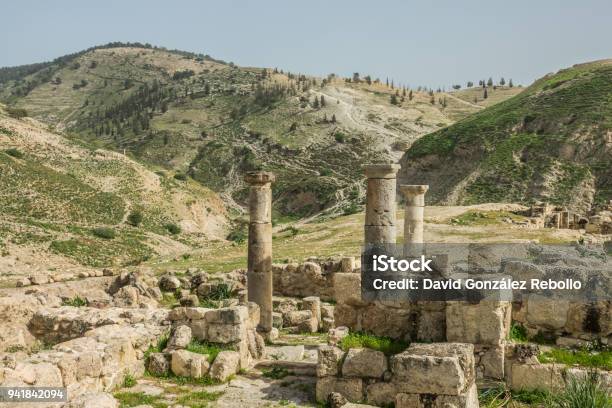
(74,205)
(552,142)
(212,121)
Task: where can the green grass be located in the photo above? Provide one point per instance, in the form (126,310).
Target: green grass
(129,381)
(104,232)
(206,348)
(470,218)
(134,399)
(518,333)
(582,358)
(276,373)
(14,153)
(199,399)
(159,346)
(76,301)
(582,392)
(363,340)
(501,396)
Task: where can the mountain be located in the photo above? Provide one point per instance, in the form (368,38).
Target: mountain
(552,142)
(67,203)
(212,121)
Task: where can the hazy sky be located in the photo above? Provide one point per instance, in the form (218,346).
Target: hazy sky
(433,43)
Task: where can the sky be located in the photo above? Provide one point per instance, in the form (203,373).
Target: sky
(430,43)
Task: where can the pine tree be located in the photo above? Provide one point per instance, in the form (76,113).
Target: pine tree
(432,100)
(323,103)
(490,82)
(333,119)
(502,81)
(486,95)
(510,84)
(393,99)
(315,103)
(410,96)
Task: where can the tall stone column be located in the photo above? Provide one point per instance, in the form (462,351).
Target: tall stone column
(414,196)
(259,272)
(380,204)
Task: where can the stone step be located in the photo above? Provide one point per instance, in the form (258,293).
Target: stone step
(305,368)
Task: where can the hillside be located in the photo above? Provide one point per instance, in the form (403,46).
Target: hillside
(73,205)
(552,142)
(213,121)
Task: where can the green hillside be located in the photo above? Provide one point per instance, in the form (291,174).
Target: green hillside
(550,143)
(212,121)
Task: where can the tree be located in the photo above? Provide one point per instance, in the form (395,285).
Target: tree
(432,100)
(315,103)
(404,92)
(356,77)
(502,81)
(510,84)
(410,96)
(333,119)
(490,82)
(457,87)
(323,103)
(393,99)
(368,79)
(470,84)
(486,95)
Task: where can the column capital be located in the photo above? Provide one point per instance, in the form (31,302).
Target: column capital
(414,194)
(259,177)
(381,170)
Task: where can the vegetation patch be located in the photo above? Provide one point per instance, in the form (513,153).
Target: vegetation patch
(104,232)
(134,399)
(206,348)
(364,340)
(76,301)
(14,153)
(276,373)
(199,399)
(582,358)
(518,333)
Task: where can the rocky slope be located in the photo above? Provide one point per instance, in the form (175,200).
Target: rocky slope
(552,142)
(69,203)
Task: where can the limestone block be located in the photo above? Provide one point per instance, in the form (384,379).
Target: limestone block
(347,316)
(308,326)
(180,339)
(364,362)
(254,313)
(327,323)
(169,283)
(468,399)
(312,303)
(327,311)
(350,388)
(190,301)
(296,318)
(196,313)
(158,364)
(347,289)
(39,279)
(93,400)
(547,312)
(436,368)
(187,364)
(536,376)
(228,315)
(381,393)
(493,362)
(329,358)
(225,333)
(347,264)
(225,365)
(199,329)
(595,317)
(277,320)
(337,334)
(482,323)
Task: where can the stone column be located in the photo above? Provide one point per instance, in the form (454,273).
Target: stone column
(380,204)
(413,218)
(259,273)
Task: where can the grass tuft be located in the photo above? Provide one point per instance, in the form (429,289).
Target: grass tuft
(364,340)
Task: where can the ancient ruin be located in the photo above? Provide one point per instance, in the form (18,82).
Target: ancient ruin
(380,218)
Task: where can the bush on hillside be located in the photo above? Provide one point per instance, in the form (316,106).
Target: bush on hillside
(14,153)
(16,113)
(104,232)
(135,218)
(173,228)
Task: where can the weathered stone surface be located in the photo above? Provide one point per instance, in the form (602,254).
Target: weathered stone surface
(277,320)
(313,304)
(169,283)
(327,323)
(437,368)
(364,362)
(190,301)
(493,362)
(468,399)
(228,315)
(327,311)
(350,388)
(381,393)
(482,323)
(336,400)
(296,318)
(180,339)
(347,289)
(546,312)
(309,326)
(347,264)
(346,316)
(336,335)
(225,365)
(158,364)
(187,364)
(328,363)
(93,400)
(39,279)
(225,333)
(540,376)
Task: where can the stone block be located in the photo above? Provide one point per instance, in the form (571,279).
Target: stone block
(312,303)
(296,318)
(187,364)
(225,333)
(158,364)
(347,289)
(492,361)
(536,376)
(381,393)
(481,323)
(350,388)
(180,339)
(546,312)
(228,315)
(364,362)
(328,363)
(225,365)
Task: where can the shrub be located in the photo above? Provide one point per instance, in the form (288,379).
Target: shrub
(16,113)
(135,218)
(206,348)
(76,301)
(180,176)
(581,392)
(518,333)
(14,153)
(104,232)
(238,234)
(339,136)
(173,228)
(129,381)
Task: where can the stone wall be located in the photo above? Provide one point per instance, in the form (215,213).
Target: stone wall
(425,375)
(314,277)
